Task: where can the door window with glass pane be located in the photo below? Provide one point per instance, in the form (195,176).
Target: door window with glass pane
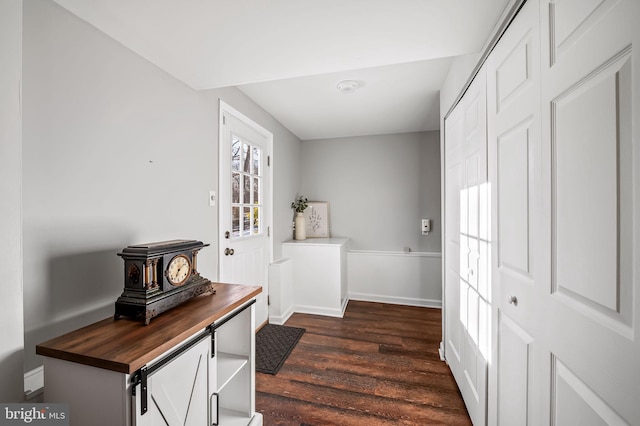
(246,188)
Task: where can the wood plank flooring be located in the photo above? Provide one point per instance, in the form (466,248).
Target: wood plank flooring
(378,365)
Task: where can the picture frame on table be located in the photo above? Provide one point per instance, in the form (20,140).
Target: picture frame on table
(316,217)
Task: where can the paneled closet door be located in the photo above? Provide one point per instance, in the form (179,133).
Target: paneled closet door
(591,204)
(467,254)
(518,251)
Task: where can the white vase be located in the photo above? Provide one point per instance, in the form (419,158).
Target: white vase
(301,233)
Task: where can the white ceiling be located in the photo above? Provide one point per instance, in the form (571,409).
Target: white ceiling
(288,55)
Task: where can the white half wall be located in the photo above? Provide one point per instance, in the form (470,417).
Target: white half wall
(401,278)
(280,291)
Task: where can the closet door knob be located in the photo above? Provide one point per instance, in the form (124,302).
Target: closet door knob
(513,300)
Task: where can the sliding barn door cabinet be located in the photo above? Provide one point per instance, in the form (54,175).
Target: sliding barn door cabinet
(192,365)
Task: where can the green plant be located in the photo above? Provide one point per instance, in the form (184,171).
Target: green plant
(300,204)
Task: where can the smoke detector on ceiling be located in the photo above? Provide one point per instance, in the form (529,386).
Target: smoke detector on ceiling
(348,86)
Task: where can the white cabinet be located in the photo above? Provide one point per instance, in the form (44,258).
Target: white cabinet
(319,275)
(192,365)
(215,369)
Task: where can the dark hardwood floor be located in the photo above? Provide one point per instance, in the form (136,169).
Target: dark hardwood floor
(378,365)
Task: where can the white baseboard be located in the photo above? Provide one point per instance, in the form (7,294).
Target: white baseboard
(34,383)
(281,319)
(316,310)
(345,302)
(425,303)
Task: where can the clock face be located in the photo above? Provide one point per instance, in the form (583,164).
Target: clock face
(179,270)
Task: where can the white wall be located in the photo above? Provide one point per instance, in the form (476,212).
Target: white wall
(11,345)
(399,278)
(116,152)
(378,187)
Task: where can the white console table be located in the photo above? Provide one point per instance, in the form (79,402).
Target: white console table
(319,275)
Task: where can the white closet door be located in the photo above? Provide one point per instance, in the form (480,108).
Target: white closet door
(467,249)
(563,100)
(591,205)
(519,278)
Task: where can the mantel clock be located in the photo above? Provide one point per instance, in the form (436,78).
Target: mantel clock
(159,276)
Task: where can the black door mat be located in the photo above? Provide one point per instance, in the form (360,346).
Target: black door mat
(274,343)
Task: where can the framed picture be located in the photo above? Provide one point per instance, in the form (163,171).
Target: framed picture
(316,217)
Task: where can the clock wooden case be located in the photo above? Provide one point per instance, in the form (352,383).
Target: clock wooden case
(159,276)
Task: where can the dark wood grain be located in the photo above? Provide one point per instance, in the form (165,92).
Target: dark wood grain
(379,365)
(124,345)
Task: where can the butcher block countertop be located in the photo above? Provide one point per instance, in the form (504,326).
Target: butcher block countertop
(125,345)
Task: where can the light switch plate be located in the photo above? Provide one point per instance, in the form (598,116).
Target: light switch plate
(426,226)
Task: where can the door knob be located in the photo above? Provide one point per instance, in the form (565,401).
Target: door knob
(228,252)
(513,300)
(231,252)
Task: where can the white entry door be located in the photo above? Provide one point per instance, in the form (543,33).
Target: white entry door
(245,204)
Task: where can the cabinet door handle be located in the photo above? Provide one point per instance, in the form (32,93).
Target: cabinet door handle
(214,422)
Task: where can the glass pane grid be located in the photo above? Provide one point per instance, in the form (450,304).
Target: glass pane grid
(246,189)
(235,154)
